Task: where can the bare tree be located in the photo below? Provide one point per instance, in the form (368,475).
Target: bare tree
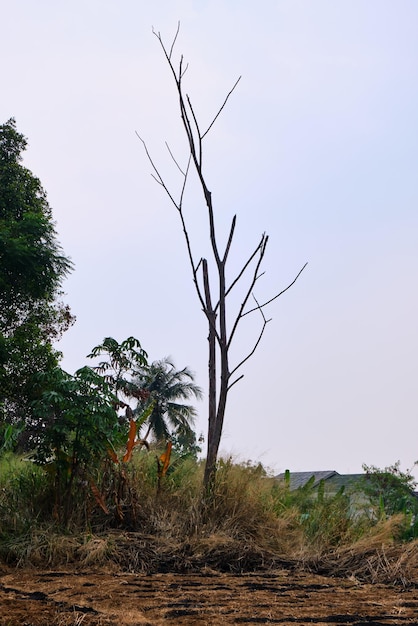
(213,292)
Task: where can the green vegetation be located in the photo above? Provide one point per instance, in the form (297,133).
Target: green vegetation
(83,425)
(33,267)
(103,465)
(141,519)
(392,492)
(169,419)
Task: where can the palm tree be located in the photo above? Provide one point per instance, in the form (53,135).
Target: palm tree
(165,386)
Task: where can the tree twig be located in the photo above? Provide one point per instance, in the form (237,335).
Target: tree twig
(277,295)
(221,109)
(250,354)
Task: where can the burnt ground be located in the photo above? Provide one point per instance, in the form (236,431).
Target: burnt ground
(92,598)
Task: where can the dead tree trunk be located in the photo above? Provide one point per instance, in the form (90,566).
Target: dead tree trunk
(220,337)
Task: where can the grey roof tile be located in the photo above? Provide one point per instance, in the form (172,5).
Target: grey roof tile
(299,479)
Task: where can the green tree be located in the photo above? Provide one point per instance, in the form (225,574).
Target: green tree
(170,419)
(155,388)
(392,491)
(121,360)
(78,424)
(75,426)
(32,268)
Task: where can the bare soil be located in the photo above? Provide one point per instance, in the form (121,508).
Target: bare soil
(34,597)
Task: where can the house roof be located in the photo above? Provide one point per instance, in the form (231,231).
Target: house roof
(299,479)
(331,478)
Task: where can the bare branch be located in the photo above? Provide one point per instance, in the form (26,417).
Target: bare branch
(191,259)
(178,84)
(219,342)
(209,311)
(253,350)
(235,381)
(184,181)
(231,234)
(198,130)
(221,109)
(262,250)
(278,295)
(174,40)
(181,70)
(172,156)
(157,177)
(157,180)
(192,143)
(250,354)
(234,282)
(183,108)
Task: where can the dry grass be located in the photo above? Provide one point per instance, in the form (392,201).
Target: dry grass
(248,524)
(376,557)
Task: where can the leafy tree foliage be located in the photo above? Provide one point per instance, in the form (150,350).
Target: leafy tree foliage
(122,359)
(32,267)
(75,427)
(186,445)
(77,419)
(170,419)
(391,488)
(139,386)
(393,491)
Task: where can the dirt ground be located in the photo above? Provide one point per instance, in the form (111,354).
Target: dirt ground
(75,598)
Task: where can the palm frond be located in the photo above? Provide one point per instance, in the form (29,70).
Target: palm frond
(164,386)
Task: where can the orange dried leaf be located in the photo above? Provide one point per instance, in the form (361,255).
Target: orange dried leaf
(113,455)
(131,441)
(99,498)
(165,459)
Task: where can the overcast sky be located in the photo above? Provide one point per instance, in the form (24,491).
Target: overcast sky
(318,147)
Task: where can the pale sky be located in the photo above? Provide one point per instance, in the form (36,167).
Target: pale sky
(318,147)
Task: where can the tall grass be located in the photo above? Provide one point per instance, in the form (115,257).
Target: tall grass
(25,495)
(122,518)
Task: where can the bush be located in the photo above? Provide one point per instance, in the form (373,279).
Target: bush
(391,492)
(129,515)
(26,494)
